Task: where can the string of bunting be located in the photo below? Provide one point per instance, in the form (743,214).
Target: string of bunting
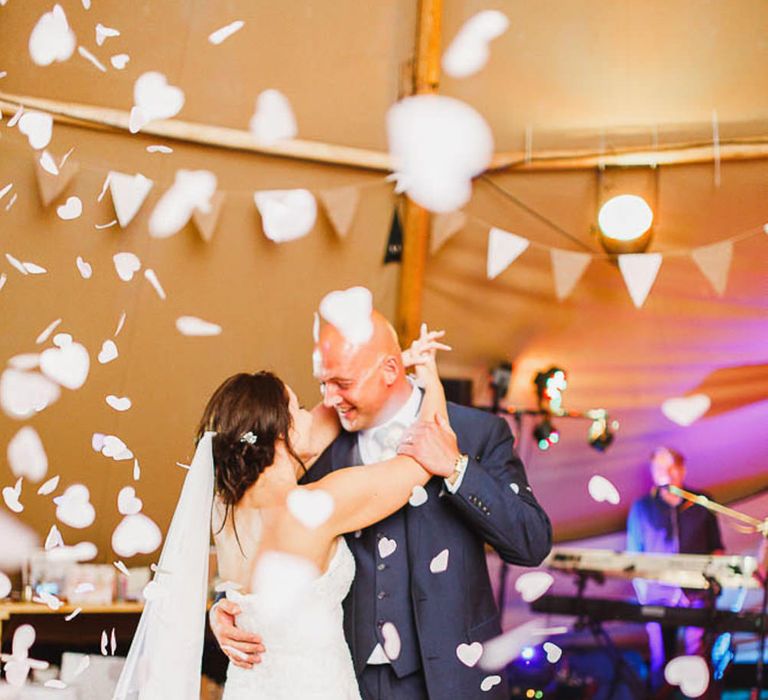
(290,214)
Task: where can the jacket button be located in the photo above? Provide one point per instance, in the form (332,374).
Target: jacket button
(381,595)
(381,567)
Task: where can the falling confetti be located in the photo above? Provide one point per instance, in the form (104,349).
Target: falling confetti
(439,563)
(136,534)
(88,56)
(686,410)
(120,323)
(151,277)
(52,39)
(49,486)
(122,568)
(109,224)
(108,352)
(273,119)
(47,332)
(602,490)
(73,507)
(192,326)
(690,673)
(286,215)
(119,403)
(224,33)
(120,61)
(311,507)
(73,614)
(68,365)
(191,190)
(71,210)
(469,654)
(11,495)
(103,33)
(26,455)
(533,585)
(154,99)
(468,52)
(156,148)
(350,312)
(552,651)
(386,547)
(127,502)
(84,268)
(126,265)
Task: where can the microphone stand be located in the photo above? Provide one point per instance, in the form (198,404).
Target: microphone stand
(757,525)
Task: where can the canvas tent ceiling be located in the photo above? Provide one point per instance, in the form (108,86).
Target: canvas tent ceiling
(595,75)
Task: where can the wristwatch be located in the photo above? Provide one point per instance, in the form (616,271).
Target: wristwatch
(459,467)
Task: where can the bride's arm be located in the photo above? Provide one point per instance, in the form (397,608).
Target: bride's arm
(363,495)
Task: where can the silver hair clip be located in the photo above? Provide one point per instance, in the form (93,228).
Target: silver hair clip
(250,437)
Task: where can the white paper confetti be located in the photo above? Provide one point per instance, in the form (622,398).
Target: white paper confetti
(109,224)
(192,326)
(103,33)
(533,584)
(386,547)
(686,410)
(225,32)
(552,651)
(191,190)
(73,507)
(84,268)
(128,194)
(489,682)
(51,39)
(115,448)
(602,490)
(5,586)
(119,403)
(418,497)
(154,99)
(68,365)
(126,264)
(49,486)
(108,352)
(392,644)
(439,563)
(16,263)
(136,534)
(88,56)
(73,615)
(11,496)
(690,673)
(151,277)
(350,312)
(122,568)
(47,332)
(54,539)
(23,394)
(26,455)
(311,507)
(158,148)
(34,268)
(127,501)
(120,323)
(286,215)
(72,209)
(48,164)
(468,52)
(469,654)
(119,60)
(273,119)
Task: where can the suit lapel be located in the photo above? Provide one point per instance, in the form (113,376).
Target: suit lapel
(343,448)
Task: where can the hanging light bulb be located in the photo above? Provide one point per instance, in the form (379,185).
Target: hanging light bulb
(625,224)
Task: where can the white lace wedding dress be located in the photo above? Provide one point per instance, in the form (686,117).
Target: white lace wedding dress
(306,655)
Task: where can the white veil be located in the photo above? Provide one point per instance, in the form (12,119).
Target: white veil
(165,658)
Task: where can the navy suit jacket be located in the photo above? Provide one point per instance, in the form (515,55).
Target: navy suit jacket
(457,606)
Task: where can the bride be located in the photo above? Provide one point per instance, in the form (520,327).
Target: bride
(279,545)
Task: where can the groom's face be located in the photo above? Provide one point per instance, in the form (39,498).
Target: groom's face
(355,380)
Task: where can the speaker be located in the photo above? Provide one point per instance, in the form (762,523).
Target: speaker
(458,391)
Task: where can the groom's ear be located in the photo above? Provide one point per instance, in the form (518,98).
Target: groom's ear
(392,368)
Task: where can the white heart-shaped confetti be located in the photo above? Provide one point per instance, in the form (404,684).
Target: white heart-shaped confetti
(26,455)
(119,403)
(553,652)
(286,215)
(48,164)
(469,52)
(115,448)
(136,534)
(489,682)
(311,507)
(439,563)
(602,490)
(469,654)
(97,441)
(119,60)
(128,194)
(392,644)
(11,496)
(63,340)
(154,99)
(386,547)
(418,497)
(84,268)
(68,366)
(686,410)
(71,209)
(273,119)
(151,277)
(5,586)
(191,190)
(82,551)
(108,352)
(127,501)
(350,312)
(25,361)
(533,585)
(23,394)
(126,264)
(690,673)
(73,507)
(225,32)
(37,127)
(193,326)
(52,39)
(49,486)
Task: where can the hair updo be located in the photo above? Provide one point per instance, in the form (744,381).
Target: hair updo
(256,403)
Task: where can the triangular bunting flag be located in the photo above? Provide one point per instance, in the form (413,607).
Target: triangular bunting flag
(715,261)
(206,223)
(639,271)
(340,206)
(567,267)
(128,194)
(50,185)
(394,252)
(444,226)
(503,249)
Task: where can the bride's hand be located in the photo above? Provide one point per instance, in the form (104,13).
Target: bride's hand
(421,354)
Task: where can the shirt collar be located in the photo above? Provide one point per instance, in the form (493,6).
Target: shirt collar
(406,415)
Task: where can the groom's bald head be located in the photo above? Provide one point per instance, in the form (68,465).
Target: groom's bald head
(361,380)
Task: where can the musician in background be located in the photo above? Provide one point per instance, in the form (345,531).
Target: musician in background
(663,523)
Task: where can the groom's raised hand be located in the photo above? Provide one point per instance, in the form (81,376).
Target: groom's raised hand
(433,444)
(244,649)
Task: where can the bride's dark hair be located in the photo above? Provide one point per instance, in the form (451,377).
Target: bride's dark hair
(245,403)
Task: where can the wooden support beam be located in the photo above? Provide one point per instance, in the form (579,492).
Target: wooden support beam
(416,224)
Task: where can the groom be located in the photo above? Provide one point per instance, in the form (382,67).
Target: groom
(423,568)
